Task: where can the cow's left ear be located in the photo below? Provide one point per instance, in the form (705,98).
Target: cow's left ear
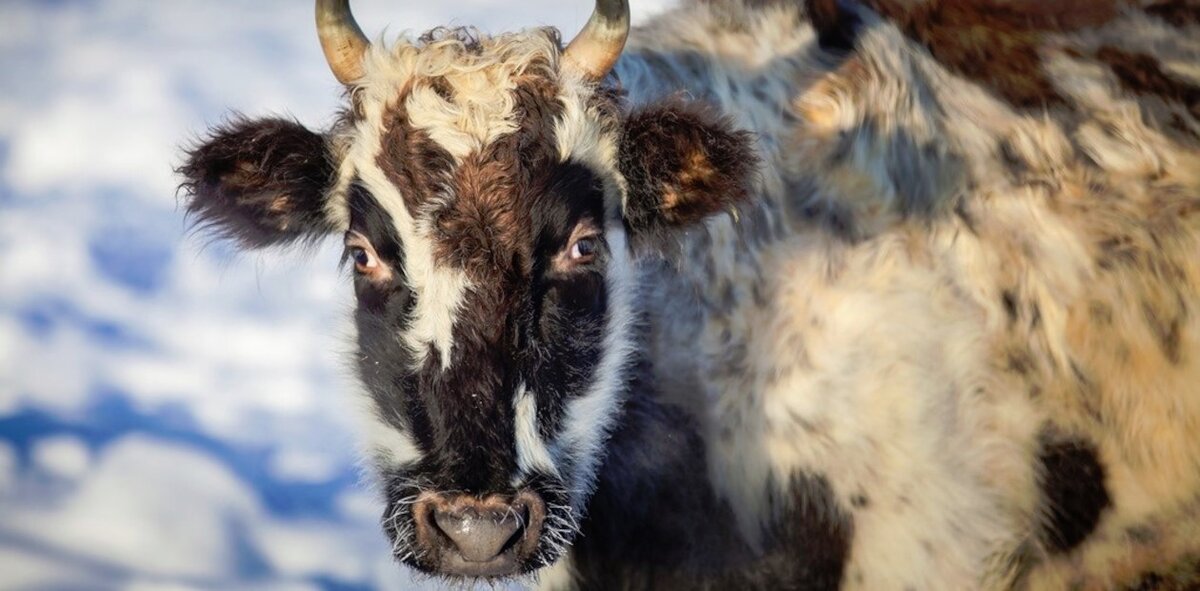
(682,163)
(261,182)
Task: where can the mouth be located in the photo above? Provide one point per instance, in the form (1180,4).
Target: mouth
(504,565)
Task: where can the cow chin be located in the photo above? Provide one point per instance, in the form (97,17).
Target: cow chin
(494,535)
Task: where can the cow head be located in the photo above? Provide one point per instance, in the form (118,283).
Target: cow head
(492,193)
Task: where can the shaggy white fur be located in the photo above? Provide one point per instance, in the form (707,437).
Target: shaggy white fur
(951,264)
(944,291)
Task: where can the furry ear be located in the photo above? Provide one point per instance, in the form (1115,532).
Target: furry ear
(260,182)
(682,163)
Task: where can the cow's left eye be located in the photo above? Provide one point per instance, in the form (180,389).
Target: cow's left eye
(583,250)
(586,243)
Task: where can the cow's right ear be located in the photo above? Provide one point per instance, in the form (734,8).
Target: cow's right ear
(260,182)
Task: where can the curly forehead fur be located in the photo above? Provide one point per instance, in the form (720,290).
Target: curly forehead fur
(459,85)
(463,91)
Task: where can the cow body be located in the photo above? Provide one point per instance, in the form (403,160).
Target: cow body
(965,302)
(944,335)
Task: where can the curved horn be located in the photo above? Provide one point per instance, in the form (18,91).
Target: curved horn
(596,48)
(341,39)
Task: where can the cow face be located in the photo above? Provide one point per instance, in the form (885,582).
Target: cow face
(491,197)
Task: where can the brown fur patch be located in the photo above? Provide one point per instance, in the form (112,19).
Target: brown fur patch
(485,229)
(260,182)
(697,172)
(1143,74)
(1180,13)
(416,164)
(996,43)
(682,163)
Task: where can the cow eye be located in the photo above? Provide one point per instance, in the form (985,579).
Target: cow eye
(359,249)
(583,250)
(362,259)
(585,244)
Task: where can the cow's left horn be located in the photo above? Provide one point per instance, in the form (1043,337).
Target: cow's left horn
(596,48)
(342,40)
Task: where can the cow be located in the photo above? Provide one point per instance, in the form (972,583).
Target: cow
(876,294)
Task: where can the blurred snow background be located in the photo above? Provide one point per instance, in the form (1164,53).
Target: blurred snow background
(173,414)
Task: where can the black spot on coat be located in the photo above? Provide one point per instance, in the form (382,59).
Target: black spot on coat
(1073,491)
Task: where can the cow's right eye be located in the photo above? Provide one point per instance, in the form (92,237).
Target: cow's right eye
(363,261)
(366,261)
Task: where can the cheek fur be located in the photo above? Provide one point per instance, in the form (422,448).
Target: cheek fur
(567,349)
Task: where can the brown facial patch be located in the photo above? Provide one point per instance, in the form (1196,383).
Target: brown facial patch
(412,161)
(996,43)
(1142,74)
(486,228)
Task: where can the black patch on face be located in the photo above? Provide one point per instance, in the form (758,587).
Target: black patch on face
(370,220)
(1073,491)
(383,311)
(567,327)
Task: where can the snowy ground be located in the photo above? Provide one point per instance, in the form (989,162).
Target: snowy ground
(172,414)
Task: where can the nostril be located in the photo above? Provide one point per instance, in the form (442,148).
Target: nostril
(463,534)
(481,535)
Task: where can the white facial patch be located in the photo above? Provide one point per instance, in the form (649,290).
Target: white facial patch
(438,290)
(532,453)
(589,417)
(381,440)
(481,113)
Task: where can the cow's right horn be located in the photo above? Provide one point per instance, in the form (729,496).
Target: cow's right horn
(595,50)
(342,40)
